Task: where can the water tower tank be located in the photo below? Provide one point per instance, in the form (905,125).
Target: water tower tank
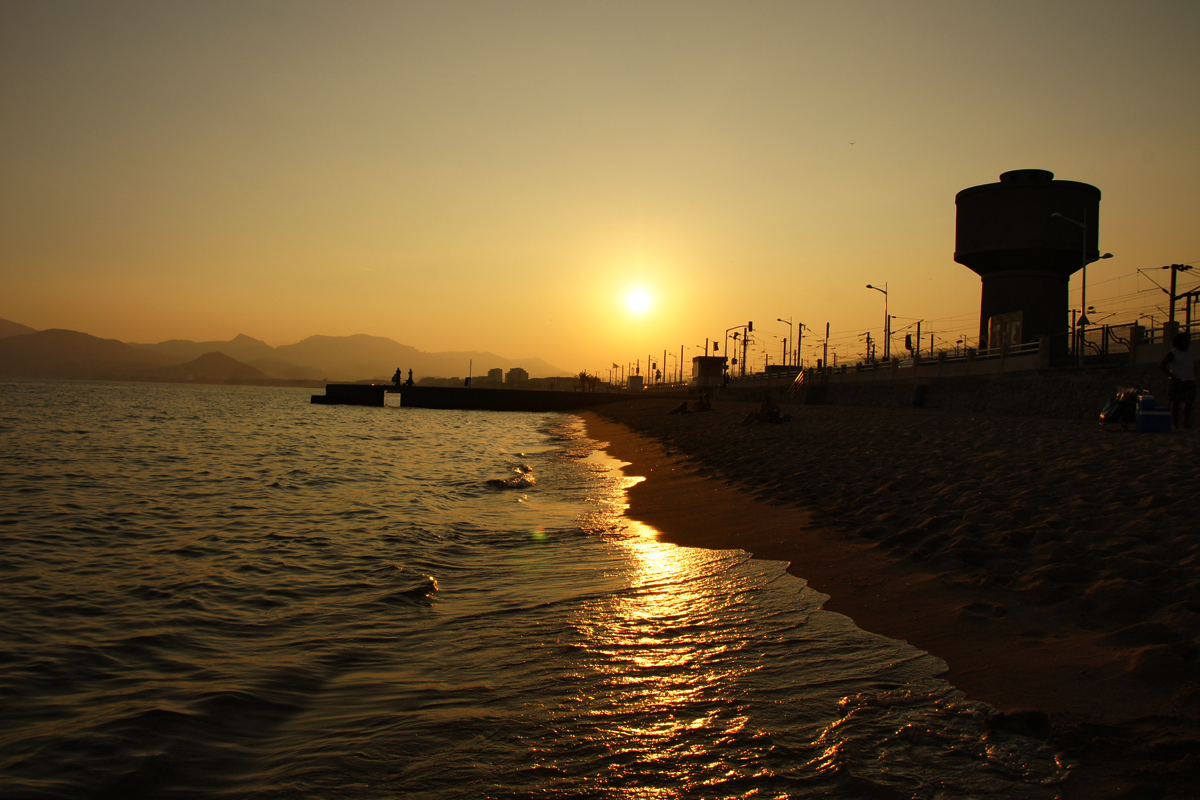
(1005,233)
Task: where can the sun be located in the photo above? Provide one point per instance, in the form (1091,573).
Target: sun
(638,301)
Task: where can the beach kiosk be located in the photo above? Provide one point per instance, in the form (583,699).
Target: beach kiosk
(708,372)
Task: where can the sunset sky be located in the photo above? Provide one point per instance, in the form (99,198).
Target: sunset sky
(502,175)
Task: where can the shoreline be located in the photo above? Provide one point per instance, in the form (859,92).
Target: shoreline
(712,482)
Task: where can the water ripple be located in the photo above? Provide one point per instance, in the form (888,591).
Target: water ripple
(228,592)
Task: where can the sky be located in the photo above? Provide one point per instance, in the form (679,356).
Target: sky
(585,182)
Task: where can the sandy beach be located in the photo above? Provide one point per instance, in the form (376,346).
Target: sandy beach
(1053,566)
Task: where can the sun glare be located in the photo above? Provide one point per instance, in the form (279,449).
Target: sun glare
(638,301)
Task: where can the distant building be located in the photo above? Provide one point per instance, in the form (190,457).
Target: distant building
(515,377)
(495,376)
(708,371)
(440,382)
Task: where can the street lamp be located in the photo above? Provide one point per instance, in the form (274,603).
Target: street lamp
(790,339)
(887,322)
(1083,320)
(745,329)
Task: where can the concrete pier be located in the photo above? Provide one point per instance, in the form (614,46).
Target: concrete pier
(353,394)
(366,394)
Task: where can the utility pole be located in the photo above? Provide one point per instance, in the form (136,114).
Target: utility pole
(745,344)
(825,360)
(1175,270)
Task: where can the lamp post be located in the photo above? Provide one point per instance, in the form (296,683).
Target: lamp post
(790,339)
(1083,320)
(749,326)
(887,321)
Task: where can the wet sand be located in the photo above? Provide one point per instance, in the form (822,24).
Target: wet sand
(1054,567)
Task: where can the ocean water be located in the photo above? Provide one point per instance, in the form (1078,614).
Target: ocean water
(228,592)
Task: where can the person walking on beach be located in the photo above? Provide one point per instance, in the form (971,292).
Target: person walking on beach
(1179,365)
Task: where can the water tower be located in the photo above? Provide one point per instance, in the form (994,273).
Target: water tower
(1006,233)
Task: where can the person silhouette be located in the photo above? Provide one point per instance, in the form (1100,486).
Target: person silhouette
(1179,365)
(397,377)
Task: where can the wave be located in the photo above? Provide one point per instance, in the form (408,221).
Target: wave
(522,480)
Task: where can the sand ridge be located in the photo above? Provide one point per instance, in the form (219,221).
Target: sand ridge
(1053,566)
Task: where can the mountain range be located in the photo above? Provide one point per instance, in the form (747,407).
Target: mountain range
(57,353)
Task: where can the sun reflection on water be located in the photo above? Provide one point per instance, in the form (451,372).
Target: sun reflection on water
(668,672)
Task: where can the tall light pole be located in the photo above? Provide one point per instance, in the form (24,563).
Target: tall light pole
(749,326)
(887,322)
(790,339)
(1083,320)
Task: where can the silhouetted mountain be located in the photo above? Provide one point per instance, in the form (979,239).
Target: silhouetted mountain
(10,328)
(208,368)
(344,358)
(360,357)
(57,353)
(60,353)
(243,348)
(278,368)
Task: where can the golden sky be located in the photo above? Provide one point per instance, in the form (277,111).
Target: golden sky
(499,175)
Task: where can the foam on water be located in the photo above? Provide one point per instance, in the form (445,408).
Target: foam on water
(229,592)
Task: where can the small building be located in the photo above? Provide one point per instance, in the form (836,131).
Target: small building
(515,377)
(495,376)
(708,371)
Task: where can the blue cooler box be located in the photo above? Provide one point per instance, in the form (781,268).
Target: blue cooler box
(1157,420)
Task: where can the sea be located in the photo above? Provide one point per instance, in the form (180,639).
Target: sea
(229,592)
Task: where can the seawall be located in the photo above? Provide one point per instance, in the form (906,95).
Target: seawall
(1064,393)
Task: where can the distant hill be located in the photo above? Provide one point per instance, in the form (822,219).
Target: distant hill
(209,368)
(245,349)
(10,328)
(351,358)
(360,357)
(56,353)
(241,347)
